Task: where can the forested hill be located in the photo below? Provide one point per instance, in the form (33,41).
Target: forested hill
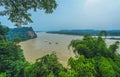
(84,32)
(24,33)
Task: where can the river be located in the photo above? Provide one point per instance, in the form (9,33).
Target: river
(51,43)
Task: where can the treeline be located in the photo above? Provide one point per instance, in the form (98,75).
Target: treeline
(93,59)
(24,33)
(86,32)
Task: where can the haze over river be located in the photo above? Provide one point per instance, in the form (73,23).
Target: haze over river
(48,43)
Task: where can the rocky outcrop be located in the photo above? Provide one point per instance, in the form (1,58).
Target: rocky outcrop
(24,33)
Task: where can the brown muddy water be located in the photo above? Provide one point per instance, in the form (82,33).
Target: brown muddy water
(51,43)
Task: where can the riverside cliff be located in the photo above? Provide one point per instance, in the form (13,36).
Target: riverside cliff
(24,33)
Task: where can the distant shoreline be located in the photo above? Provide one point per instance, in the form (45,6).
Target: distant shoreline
(86,32)
(109,37)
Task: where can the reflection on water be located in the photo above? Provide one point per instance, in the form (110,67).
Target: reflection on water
(49,43)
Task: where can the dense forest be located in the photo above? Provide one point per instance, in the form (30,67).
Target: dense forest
(86,32)
(93,59)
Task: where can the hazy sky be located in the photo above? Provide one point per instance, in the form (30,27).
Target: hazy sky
(77,14)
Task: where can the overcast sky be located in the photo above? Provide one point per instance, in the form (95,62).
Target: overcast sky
(77,14)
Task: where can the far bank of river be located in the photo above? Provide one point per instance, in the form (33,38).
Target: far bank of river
(48,43)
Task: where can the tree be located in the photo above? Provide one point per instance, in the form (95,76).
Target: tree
(11,56)
(91,47)
(82,66)
(114,46)
(3,30)
(17,10)
(104,67)
(103,33)
(106,61)
(17,40)
(47,66)
(116,65)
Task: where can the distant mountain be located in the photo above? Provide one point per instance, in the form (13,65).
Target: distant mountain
(84,32)
(24,33)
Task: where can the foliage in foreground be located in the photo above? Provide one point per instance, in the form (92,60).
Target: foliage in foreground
(18,10)
(46,66)
(106,59)
(93,59)
(12,60)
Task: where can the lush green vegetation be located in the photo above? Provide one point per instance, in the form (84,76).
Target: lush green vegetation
(106,60)
(11,56)
(3,30)
(47,66)
(93,59)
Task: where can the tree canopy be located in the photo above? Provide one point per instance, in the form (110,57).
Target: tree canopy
(3,30)
(105,60)
(92,46)
(18,10)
